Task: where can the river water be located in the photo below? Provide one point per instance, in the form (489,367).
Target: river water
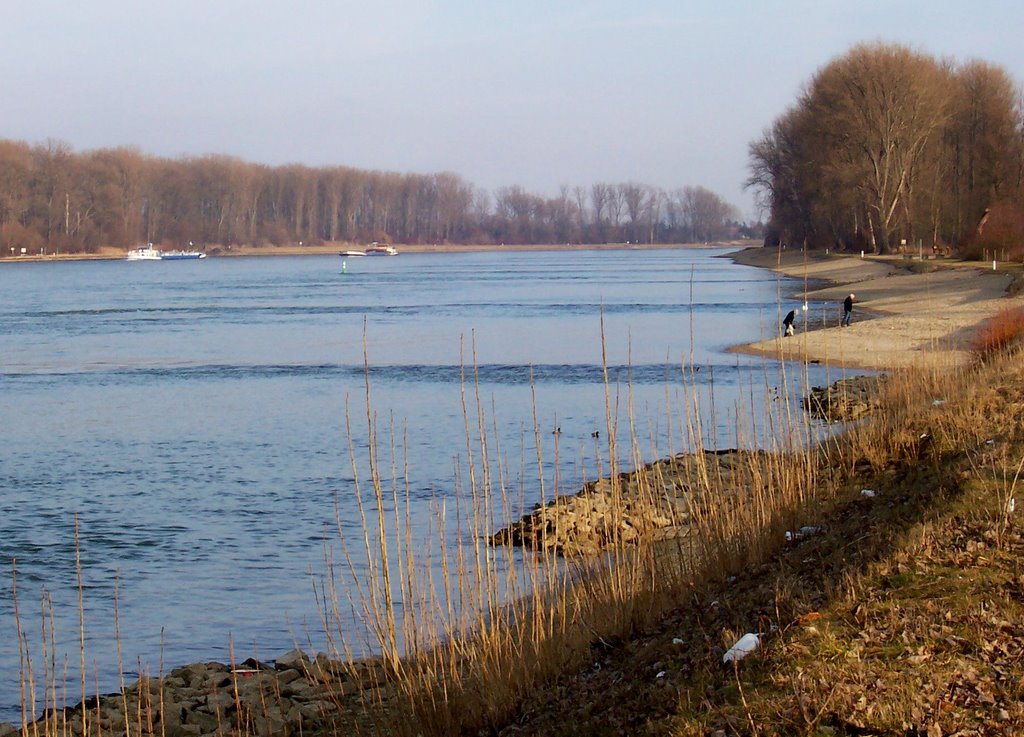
(198,420)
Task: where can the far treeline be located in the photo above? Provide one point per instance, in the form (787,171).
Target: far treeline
(889,149)
(55,200)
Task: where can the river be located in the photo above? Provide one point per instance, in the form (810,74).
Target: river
(198,420)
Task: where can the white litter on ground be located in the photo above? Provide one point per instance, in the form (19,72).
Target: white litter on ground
(743,647)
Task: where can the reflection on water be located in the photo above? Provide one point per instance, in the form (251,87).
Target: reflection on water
(195,417)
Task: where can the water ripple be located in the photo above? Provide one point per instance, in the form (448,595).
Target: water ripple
(508,374)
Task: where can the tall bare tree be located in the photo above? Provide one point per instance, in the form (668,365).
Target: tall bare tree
(881,144)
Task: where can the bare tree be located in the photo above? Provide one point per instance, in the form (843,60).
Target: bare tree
(982,129)
(883,141)
(51,196)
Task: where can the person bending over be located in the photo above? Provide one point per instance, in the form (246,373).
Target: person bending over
(787,323)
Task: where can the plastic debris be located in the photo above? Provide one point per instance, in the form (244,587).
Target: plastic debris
(661,674)
(805,531)
(869,493)
(743,647)
(939,402)
(678,641)
(1011,505)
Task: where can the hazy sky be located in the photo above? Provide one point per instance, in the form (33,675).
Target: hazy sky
(523,92)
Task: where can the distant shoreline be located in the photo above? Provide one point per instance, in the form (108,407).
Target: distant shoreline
(332,249)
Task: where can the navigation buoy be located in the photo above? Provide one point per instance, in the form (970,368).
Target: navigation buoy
(344,268)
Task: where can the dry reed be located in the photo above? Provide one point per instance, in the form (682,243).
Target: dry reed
(460,653)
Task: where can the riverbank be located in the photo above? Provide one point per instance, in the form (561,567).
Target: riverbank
(109,253)
(906,313)
(899,612)
(658,669)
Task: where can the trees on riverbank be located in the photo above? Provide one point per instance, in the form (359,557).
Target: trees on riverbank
(888,146)
(54,199)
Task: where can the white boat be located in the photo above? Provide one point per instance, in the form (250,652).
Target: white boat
(346,254)
(146,253)
(149,253)
(180,255)
(381,249)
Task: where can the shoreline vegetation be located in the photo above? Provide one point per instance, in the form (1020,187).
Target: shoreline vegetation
(878,570)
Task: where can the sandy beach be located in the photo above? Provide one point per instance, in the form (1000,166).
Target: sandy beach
(906,313)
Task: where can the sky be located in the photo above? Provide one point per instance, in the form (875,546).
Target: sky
(523,93)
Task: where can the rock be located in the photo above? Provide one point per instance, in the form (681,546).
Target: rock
(293,660)
(182,730)
(651,503)
(218,703)
(214,699)
(189,674)
(287,676)
(206,723)
(845,400)
(325,670)
(311,713)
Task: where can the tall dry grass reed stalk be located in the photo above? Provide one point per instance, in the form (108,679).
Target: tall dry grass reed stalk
(466,631)
(463,651)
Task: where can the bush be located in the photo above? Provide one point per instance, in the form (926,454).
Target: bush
(1000,232)
(999,332)
(14,236)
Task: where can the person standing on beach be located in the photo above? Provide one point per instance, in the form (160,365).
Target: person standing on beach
(787,323)
(848,308)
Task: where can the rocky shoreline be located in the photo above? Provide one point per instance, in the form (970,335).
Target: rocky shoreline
(300,694)
(655,501)
(295,694)
(845,400)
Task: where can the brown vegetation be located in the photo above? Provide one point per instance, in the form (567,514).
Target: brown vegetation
(881,566)
(1000,234)
(53,200)
(898,612)
(998,333)
(890,146)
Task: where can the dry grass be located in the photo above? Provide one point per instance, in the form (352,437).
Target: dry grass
(516,630)
(633,640)
(901,617)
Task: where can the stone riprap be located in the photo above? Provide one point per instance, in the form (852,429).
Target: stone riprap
(655,501)
(294,695)
(299,694)
(651,503)
(845,400)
